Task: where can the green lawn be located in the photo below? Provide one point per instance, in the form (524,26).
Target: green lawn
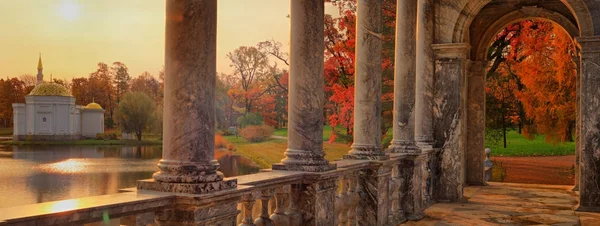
(326,132)
(518,145)
(272,151)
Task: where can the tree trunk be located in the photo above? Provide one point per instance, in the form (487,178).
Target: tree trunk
(139,135)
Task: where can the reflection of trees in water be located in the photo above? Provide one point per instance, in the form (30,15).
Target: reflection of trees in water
(235,165)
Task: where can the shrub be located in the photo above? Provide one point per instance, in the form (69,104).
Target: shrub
(100,136)
(256,133)
(106,136)
(250,119)
(220,142)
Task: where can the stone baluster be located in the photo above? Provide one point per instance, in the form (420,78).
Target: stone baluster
(342,201)
(404,79)
(293,211)
(353,199)
(367,91)
(264,219)
(424,75)
(247,206)
(306,89)
(278,217)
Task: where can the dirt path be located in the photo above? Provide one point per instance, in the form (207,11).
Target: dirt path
(536,170)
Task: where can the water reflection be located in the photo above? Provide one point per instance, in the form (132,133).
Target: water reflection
(36,174)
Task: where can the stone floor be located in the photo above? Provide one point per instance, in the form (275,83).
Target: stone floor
(511,204)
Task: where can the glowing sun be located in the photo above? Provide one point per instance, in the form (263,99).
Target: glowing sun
(69,10)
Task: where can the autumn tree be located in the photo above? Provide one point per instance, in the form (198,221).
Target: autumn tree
(100,84)
(250,65)
(537,57)
(12,90)
(121,76)
(148,84)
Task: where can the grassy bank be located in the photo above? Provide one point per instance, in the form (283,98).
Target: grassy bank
(272,151)
(86,142)
(6,131)
(518,145)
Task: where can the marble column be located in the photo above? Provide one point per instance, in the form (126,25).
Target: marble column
(589,166)
(188,164)
(424,73)
(404,79)
(367,82)
(307,95)
(475,149)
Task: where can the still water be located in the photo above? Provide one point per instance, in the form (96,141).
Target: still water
(37,174)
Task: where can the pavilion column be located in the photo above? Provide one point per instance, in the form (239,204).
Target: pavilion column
(424,75)
(367,82)
(475,145)
(589,128)
(188,164)
(306,89)
(404,78)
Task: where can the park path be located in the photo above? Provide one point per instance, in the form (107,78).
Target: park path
(511,204)
(279,137)
(537,170)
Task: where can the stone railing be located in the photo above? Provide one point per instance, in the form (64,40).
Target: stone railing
(369,192)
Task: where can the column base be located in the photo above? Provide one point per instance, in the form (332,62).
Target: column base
(366,152)
(188,188)
(593,209)
(404,147)
(304,168)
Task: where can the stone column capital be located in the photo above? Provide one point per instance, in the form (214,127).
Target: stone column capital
(451,50)
(588,44)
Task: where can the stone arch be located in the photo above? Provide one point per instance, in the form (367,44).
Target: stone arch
(480,46)
(579,9)
(572,15)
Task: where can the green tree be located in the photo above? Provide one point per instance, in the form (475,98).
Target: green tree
(136,113)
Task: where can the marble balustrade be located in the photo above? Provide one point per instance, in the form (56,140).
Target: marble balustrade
(367,191)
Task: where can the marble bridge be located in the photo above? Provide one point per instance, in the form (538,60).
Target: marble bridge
(437,151)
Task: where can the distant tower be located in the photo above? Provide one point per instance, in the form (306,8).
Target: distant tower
(40,74)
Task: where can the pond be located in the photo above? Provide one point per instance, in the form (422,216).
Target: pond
(35,174)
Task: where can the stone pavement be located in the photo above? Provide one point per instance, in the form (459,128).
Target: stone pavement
(511,204)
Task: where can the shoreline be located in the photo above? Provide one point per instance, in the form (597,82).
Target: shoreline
(85,142)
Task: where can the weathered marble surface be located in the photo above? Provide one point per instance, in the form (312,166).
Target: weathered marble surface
(374,195)
(367,82)
(449,119)
(424,72)
(189,210)
(306,89)
(315,201)
(475,150)
(590,124)
(188,163)
(404,79)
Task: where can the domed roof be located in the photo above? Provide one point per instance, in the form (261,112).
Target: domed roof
(50,89)
(93,106)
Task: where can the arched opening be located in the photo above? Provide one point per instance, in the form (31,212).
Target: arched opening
(530,103)
(477,25)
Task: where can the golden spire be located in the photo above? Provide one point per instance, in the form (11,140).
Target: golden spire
(40,63)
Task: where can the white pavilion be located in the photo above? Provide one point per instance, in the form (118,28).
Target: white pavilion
(50,113)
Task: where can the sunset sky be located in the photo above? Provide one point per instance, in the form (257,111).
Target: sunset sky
(74,35)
